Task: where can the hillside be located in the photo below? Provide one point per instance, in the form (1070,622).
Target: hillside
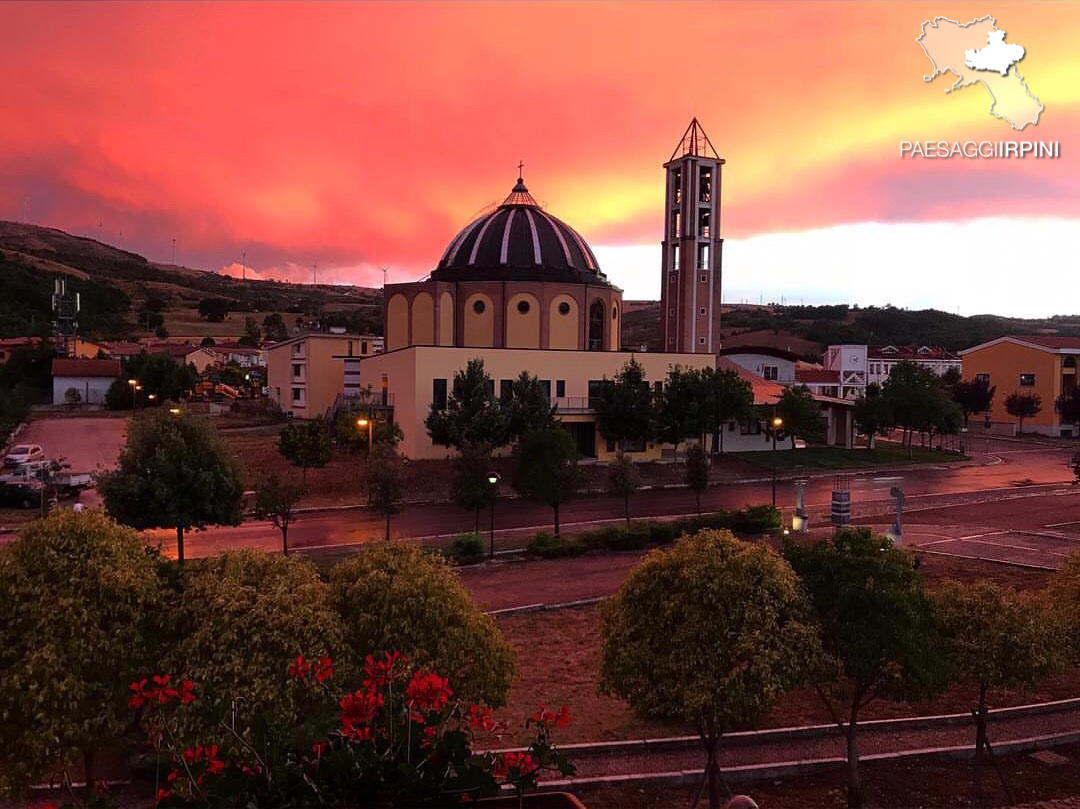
(828,325)
(118,287)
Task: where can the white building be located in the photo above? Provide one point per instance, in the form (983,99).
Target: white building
(771,364)
(90,378)
(882,359)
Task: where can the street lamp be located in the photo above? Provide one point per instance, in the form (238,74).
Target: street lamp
(175,411)
(134,384)
(776,423)
(493,479)
(362,424)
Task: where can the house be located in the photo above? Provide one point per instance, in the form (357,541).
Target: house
(90,378)
(9,345)
(244,356)
(773,364)
(305,374)
(1027,364)
(882,359)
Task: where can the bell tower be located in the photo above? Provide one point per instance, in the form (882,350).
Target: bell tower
(691,249)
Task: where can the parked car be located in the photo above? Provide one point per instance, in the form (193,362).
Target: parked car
(21,453)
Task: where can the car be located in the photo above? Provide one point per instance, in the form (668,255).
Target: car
(21,453)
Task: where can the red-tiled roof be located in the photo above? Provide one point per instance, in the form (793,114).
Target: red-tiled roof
(910,353)
(79,367)
(817,376)
(1051,342)
(765,392)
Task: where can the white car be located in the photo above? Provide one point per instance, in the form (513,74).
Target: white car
(21,453)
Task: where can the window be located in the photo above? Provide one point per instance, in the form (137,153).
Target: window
(478,307)
(560,388)
(704,278)
(703,256)
(701,311)
(438,394)
(596,389)
(704,218)
(701,341)
(676,225)
(489,386)
(614,312)
(1027,380)
(770,372)
(676,187)
(298,348)
(750,428)
(506,390)
(363,346)
(705,184)
(523,307)
(675,259)
(297,394)
(637,445)
(671,312)
(297,370)
(673,277)
(564,308)
(983,379)
(596,326)
(658,388)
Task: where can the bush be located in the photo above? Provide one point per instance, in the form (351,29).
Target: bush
(633,537)
(397,597)
(661,533)
(755,520)
(466,549)
(548,546)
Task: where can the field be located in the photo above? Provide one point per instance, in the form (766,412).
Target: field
(811,458)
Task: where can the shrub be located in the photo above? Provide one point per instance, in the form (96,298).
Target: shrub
(633,537)
(548,546)
(399,597)
(466,549)
(755,520)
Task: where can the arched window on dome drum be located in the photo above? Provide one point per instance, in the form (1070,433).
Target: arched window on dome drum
(596,326)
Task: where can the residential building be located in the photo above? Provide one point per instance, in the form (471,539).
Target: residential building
(9,345)
(773,364)
(305,374)
(245,356)
(1027,364)
(91,378)
(882,359)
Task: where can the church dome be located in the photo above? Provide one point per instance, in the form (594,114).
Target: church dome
(519,241)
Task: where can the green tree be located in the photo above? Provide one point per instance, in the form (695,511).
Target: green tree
(623,481)
(72,396)
(1023,406)
(919,403)
(876,622)
(697,472)
(398,597)
(728,397)
(274,328)
(239,620)
(801,414)
(1062,597)
(252,333)
(470,488)
(973,396)
(208,342)
(1068,405)
(158,374)
(29,371)
(385,479)
(80,596)
(1000,639)
(546,468)
(529,406)
(1076,467)
(174,472)
(680,411)
(306,444)
(275,500)
(625,412)
(472,414)
(710,633)
(214,310)
(872,414)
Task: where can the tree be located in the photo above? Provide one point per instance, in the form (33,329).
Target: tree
(546,468)
(72,396)
(876,622)
(398,597)
(873,414)
(80,595)
(529,407)
(709,633)
(472,414)
(697,472)
(950,378)
(728,397)
(306,444)
(1068,405)
(624,408)
(274,328)
(214,309)
(470,488)
(998,638)
(623,481)
(680,412)
(919,403)
(973,396)
(1076,467)
(208,342)
(239,619)
(252,333)
(1062,598)
(158,374)
(385,479)
(174,472)
(275,500)
(161,332)
(801,414)
(1023,406)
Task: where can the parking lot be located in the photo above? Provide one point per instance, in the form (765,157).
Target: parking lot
(87,444)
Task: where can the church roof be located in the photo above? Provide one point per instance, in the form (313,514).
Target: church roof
(519,241)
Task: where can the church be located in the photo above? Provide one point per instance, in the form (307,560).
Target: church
(522,290)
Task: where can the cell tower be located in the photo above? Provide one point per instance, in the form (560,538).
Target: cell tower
(65,306)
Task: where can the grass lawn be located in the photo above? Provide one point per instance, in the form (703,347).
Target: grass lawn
(884,454)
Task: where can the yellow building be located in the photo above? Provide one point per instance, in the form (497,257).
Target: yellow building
(305,374)
(1027,364)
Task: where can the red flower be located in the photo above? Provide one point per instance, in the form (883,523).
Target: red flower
(430,732)
(162,794)
(300,668)
(545,717)
(357,711)
(378,673)
(514,765)
(138,695)
(480,718)
(428,691)
(187,694)
(324,670)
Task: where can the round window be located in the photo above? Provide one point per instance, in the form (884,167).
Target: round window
(478,307)
(523,307)
(564,308)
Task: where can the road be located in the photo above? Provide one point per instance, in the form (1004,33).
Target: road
(1002,465)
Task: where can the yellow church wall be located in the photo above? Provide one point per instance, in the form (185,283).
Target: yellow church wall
(563,329)
(423,320)
(446,319)
(397,322)
(479,329)
(523,328)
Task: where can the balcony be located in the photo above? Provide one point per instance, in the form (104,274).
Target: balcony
(572,404)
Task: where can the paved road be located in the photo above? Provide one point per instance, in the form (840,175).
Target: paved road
(1002,466)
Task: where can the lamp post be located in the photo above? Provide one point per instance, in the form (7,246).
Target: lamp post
(776,423)
(362,424)
(134,385)
(493,479)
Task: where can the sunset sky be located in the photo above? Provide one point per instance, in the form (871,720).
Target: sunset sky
(357,135)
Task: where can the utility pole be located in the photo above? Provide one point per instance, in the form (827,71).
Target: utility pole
(384,268)
(243,266)
(315,274)
(174,251)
